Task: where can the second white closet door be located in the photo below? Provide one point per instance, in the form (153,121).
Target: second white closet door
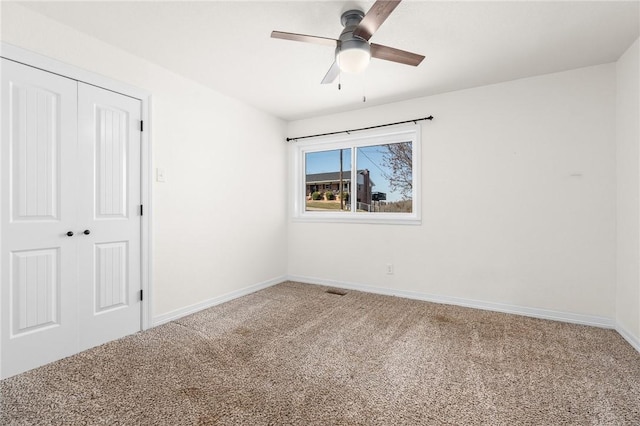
(109,215)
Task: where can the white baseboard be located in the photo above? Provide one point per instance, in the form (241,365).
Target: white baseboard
(188,310)
(469,303)
(591,320)
(633,341)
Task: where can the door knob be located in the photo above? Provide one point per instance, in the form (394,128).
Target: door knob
(86,232)
(70,234)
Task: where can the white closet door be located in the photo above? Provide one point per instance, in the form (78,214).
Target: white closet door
(109,215)
(38,206)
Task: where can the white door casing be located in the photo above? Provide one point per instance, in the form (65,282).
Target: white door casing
(66,169)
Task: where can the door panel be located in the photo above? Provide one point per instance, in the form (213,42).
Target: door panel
(38,262)
(33,154)
(35,289)
(111,183)
(109,256)
(111,281)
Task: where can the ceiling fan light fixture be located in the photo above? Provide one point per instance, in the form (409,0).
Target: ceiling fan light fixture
(353,56)
(352,49)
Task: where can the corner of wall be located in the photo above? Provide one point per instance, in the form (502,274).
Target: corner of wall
(627,309)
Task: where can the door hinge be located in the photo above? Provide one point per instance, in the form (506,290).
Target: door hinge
(141,210)
(141,126)
(141,295)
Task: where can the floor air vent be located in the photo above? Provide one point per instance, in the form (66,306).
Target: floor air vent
(336,291)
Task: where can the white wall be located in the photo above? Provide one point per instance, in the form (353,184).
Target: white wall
(518,199)
(212,234)
(628,194)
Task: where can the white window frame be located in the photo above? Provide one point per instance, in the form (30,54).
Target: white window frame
(298,151)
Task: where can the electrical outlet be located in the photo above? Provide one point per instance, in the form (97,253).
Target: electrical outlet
(389,268)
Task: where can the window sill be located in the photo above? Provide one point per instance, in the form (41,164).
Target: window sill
(375,218)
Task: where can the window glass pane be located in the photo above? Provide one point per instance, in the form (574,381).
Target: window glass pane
(328,180)
(385,178)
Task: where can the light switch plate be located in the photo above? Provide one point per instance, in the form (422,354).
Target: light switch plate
(160,176)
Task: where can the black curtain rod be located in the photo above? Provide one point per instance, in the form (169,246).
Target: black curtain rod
(415,121)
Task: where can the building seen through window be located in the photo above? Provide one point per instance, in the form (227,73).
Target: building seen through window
(383,179)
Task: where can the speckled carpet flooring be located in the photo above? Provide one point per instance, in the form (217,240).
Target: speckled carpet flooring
(295,355)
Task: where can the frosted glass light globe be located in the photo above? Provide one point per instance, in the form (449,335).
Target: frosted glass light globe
(354,56)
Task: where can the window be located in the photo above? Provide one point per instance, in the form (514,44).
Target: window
(366,177)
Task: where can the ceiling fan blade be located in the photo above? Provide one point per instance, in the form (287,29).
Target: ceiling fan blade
(331,74)
(395,55)
(378,13)
(305,38)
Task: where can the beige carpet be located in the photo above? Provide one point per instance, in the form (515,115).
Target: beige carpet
(294,354)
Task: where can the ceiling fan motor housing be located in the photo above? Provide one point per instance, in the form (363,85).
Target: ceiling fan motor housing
(351,17)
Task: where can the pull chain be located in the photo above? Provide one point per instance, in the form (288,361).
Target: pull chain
(364,89)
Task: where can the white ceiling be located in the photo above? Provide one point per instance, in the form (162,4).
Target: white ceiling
(226,45)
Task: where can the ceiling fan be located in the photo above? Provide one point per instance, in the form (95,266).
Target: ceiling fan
(352,49)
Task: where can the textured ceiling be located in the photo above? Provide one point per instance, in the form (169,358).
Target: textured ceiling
(226,45)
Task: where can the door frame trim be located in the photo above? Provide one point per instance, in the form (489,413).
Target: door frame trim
(36,60)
